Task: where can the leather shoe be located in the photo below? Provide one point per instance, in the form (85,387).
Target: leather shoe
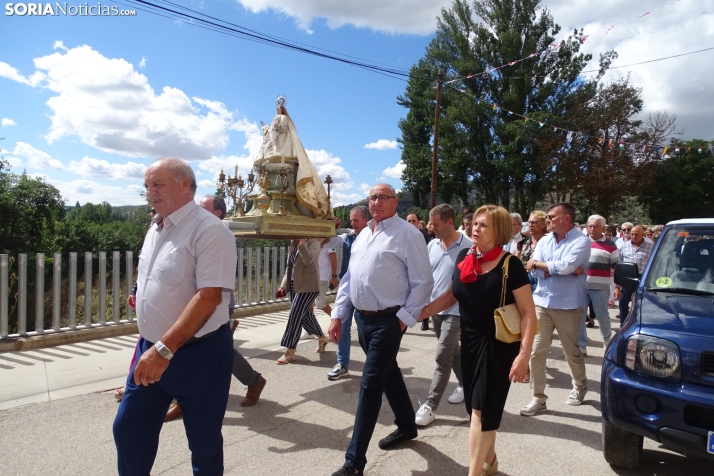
(348,469)
(395,438)
(253,394)
(174,412)
(234,325)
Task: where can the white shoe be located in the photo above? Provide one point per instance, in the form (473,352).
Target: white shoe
(457,396)
(304,335)
(424,415)
(584,350)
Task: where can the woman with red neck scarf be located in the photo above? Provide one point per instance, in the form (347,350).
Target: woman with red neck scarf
(489,366)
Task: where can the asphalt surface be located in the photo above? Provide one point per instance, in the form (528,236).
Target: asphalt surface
(57,409)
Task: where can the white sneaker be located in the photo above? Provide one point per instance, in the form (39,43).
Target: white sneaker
(533,408)
(424,415)
(576,397)
(457,396)
(304,335)
(584,350)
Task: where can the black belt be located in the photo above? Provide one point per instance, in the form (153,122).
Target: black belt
(206,336)
(389,310)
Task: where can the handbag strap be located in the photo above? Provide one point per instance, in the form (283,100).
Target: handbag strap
(505,279)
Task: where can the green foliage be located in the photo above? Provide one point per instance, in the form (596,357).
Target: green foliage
(30,210)
(682,185)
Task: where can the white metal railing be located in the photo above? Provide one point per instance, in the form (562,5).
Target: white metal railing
(257,279)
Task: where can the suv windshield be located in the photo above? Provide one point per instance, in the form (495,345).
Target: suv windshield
(684,260)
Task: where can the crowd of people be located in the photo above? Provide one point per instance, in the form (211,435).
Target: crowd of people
(395,273)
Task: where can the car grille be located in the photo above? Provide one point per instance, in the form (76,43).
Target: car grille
(699,417)
(708,364)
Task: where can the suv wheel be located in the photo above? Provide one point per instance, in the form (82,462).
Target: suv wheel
(620,447)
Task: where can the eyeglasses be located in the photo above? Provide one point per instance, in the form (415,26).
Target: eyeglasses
(380,198)
(534,222)
(552,217)
(627,229)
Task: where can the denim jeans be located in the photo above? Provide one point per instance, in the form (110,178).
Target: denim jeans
(343,345)
(599,298)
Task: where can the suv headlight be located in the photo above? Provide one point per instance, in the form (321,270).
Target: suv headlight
(653,357)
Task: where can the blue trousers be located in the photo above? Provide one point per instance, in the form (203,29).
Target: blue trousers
(345,342)
(198,377)
(380,337)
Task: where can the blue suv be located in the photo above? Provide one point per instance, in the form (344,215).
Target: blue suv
(658,372)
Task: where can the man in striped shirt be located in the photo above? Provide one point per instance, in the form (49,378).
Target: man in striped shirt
(603,257)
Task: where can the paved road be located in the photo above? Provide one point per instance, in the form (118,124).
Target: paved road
(58,410)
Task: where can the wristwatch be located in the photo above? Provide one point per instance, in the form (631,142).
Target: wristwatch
(334,275)
(163,350)
(535,262)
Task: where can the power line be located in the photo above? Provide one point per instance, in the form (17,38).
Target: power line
(201,20)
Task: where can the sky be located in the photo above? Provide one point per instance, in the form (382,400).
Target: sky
(87,102)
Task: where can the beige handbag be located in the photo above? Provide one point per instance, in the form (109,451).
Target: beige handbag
(508,318)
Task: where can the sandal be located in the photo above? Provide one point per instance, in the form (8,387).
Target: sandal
(119,394)
(287,358)
(490,468)
(322,343)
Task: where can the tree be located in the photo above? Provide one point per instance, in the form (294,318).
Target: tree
(490,147)
(682,184)
(31,209)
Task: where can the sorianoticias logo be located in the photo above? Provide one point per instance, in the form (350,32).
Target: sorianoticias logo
(64,9)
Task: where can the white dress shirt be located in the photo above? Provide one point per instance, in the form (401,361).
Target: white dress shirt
(389,266)
(194,250)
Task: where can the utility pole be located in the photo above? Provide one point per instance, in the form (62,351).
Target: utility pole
(435,156)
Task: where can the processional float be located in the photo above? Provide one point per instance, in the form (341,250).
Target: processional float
(287,197)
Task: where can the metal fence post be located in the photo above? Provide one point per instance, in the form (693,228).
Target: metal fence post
(4,298)
(239,291)
(102,287)
(257,275)
(129,282)
(249,277)
(116,295)
(274,269)
(56,290)
(22,294)
(40,293)
(266,268)
(72,291)
(88,288)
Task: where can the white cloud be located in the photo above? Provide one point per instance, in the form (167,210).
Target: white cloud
(396,16)
(36,159)
(59,45)
(394,172)
(94,168)
(253,135)
(108,105)
(6,121)
(365,188)
(327,164)
(86,191)
(213,166)
(382,144)
(339,198)
(142,63)
(206,184)
(7,71)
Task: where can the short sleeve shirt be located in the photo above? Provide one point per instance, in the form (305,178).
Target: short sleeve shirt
(194,250)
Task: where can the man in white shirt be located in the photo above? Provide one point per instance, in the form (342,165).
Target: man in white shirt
(185,352)
(388,282)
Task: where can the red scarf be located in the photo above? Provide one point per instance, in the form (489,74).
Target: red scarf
(471,265)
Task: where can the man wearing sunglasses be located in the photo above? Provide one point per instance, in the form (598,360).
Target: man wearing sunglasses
(388,282)
(626,229)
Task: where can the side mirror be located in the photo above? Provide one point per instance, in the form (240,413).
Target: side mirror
(627,275)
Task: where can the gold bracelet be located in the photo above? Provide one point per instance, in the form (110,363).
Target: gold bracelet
(428,314)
